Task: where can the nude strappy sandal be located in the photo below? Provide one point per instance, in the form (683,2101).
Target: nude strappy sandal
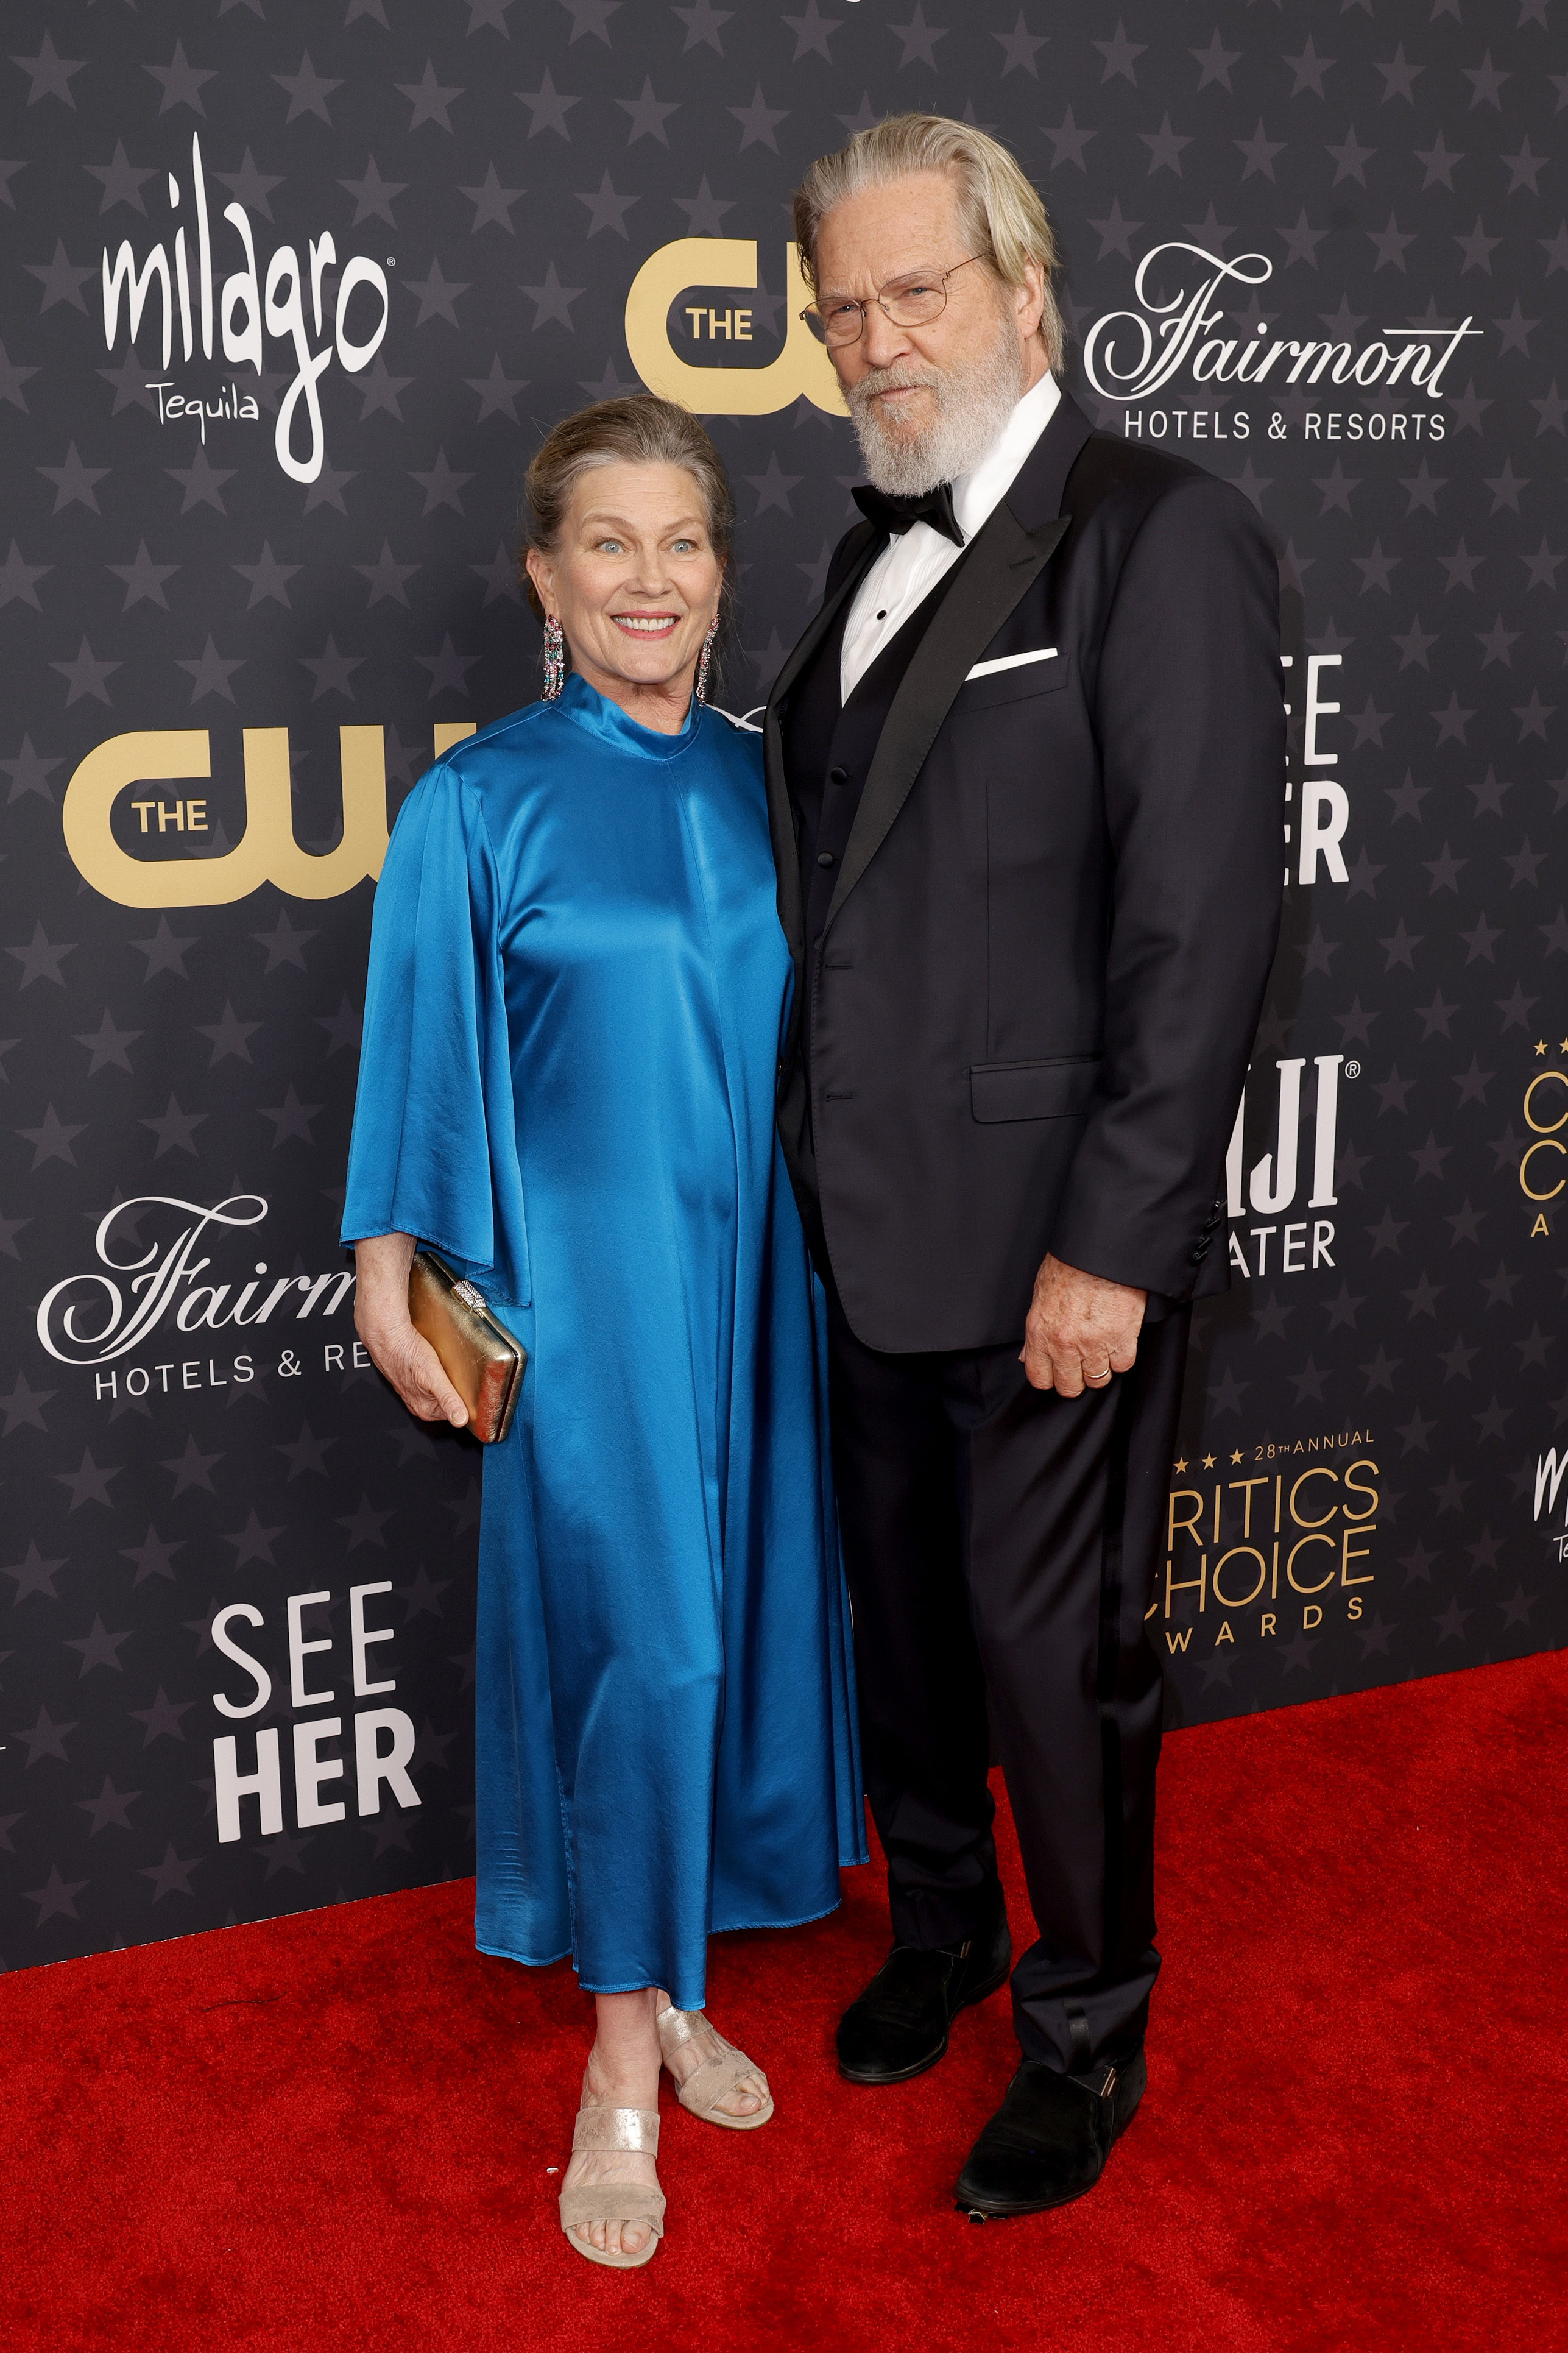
(718,2076)
(598,2130)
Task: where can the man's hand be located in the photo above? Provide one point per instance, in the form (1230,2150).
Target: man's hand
(399,1353)
(1081,1330)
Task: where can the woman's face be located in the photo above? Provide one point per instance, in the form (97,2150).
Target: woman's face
(635,580)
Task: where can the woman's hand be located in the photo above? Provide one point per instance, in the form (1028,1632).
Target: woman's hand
(399,1353)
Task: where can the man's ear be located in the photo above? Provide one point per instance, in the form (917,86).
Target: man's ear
(1030,301)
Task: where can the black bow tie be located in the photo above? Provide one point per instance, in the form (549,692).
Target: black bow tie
(896,515)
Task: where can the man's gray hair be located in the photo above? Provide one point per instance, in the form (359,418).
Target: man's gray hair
(1001,215)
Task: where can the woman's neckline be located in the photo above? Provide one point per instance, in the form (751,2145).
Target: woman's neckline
(587,708)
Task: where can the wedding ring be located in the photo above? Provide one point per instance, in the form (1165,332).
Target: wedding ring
(1095,1379)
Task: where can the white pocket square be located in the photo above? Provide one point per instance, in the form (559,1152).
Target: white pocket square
(1011,661)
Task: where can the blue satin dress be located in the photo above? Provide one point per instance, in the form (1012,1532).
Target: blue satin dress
(577,984)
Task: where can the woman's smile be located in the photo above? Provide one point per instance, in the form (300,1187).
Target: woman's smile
(646,625)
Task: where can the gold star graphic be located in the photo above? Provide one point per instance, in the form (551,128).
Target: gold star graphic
(1178,1466)
(1208,1461)
(1237,1456)
(1541,1045)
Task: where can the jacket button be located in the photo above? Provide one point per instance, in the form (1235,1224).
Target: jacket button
(824,856)
(839,775)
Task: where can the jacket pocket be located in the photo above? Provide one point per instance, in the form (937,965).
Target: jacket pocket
(1052,1090)
(1021,683)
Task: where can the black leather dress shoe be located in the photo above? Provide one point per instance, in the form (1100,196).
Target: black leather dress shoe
(899,2026)
(1049,2141)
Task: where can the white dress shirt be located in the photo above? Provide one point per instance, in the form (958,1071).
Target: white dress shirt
(910,565)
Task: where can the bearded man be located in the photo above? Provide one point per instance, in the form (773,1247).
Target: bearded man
(1025,772)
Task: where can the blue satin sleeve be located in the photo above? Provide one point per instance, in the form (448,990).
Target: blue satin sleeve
(434,1150)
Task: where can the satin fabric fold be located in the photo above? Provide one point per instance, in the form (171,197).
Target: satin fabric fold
(573,1019)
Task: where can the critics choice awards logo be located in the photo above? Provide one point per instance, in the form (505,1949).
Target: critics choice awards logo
(1543,1181)
(1541,1176)
(1270,1542)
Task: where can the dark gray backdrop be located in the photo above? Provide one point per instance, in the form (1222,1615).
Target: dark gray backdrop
(507,167)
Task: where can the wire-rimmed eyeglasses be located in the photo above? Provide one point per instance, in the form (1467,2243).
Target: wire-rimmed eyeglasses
(912,301)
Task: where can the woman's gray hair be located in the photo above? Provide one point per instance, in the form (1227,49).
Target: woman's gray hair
(637,430)
(1001,217)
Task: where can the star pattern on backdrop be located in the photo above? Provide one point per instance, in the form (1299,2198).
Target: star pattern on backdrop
(509,169)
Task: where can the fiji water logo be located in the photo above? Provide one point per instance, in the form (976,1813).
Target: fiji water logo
(292,303)
(1270,1188)
(1126,358)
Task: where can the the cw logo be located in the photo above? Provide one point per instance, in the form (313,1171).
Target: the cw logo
(802,368)
(265,852)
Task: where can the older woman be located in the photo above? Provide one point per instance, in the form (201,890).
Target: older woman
(576,987)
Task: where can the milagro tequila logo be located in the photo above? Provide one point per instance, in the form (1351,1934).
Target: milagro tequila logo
(94,1318)
(1550,1471)
(288,304)
(1127,358)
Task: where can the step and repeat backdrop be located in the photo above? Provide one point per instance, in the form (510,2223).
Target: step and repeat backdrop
(290,291)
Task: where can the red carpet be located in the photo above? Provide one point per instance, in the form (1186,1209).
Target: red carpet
(333,2131)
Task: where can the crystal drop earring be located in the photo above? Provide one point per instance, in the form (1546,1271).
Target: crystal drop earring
(555,658)
(707,657)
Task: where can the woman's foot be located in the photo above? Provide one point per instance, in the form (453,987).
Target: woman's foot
(635,2086)
(689,2043)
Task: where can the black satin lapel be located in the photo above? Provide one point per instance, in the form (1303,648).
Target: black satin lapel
(1003,565)
(780,823)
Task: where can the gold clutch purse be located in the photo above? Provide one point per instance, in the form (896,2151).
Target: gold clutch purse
(479,1355)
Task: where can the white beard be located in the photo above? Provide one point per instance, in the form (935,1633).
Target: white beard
(972,403)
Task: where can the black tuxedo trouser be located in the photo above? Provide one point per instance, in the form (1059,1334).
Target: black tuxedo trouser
(1000,1539)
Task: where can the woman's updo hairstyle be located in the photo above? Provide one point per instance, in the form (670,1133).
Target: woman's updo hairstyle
(638,430)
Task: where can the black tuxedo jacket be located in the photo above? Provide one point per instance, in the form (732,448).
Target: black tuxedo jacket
(1042,965)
